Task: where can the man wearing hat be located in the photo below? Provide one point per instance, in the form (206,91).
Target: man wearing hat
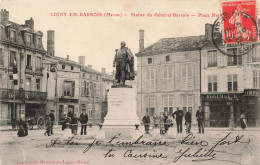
(83,120)
(52,120)
(124,62)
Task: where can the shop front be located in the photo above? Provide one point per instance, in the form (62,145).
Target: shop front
(252,107)
(221,107)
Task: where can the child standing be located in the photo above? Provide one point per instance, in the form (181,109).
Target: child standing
(162,128)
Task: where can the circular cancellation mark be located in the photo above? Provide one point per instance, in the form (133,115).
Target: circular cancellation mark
(236,36)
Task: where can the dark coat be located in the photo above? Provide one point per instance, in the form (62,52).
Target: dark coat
(188,117)
(146,120)
(200,115)
(83,118)
(52,116)
(179,115)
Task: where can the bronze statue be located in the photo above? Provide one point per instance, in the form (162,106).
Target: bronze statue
(124,62)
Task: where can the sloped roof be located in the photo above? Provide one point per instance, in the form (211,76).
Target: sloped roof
(168,45)
(19,38)
(66,61)
(89,70)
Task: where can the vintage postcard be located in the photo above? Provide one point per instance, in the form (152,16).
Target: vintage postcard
(133,82)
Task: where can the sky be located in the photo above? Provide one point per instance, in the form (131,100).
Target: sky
(96,38)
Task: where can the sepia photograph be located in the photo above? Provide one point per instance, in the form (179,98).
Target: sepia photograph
(133,82)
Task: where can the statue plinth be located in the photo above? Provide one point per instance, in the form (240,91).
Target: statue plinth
(121,116)
(121,86)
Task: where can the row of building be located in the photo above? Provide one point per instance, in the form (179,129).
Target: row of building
(45,82)
(188,72)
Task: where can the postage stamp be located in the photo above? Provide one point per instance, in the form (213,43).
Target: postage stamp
(237,26)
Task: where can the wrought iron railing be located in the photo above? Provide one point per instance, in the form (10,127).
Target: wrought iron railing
(23,95)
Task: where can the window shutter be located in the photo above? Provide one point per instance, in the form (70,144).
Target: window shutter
(160,78)
(177,76)
(183,77)
(170,78)
(165,78)
(61,92)
(152,80)
(73,89)
(205,60)
(190,76)
(147,79)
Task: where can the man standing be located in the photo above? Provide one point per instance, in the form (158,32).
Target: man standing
(146,121)
(124,62)
(200,118)
(83,120)
(188,121)
(52,120)
(179,116)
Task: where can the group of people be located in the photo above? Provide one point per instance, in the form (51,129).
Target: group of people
(164,121)
(72,121)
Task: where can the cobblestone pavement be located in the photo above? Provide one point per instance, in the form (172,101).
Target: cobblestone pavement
(216,146)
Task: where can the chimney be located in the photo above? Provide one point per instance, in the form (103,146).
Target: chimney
(50,43)
(30,23)
(103,70)
(68,57)
(141,40)
(82,60)
(4,15)
(208,31)
(90,66)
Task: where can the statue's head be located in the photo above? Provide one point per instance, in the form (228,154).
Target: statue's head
(123,44)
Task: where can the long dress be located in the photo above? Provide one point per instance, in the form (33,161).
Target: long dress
(243,121)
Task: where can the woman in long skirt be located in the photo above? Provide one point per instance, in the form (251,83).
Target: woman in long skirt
(243,121)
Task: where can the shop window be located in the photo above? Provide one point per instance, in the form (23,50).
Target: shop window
(212,58)
(232,82)
(212,83)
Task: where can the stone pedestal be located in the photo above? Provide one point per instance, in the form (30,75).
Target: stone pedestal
(121,116)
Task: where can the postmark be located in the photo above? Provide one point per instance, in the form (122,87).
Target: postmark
(236,28)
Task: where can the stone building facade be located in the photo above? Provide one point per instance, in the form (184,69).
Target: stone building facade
(169,75)
(21,46)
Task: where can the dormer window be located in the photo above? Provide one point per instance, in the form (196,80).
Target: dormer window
(167,58)
(2,31)
(150,60)
(28,39)
(38,41)
(13,35)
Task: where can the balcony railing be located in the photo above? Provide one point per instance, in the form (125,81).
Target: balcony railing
(23,95)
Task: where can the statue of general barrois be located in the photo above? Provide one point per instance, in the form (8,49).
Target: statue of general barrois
(124,63)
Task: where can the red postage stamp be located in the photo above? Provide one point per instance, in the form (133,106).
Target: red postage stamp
(239,21)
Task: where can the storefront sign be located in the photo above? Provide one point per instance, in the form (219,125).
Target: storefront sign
(218,97)
(252,92)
